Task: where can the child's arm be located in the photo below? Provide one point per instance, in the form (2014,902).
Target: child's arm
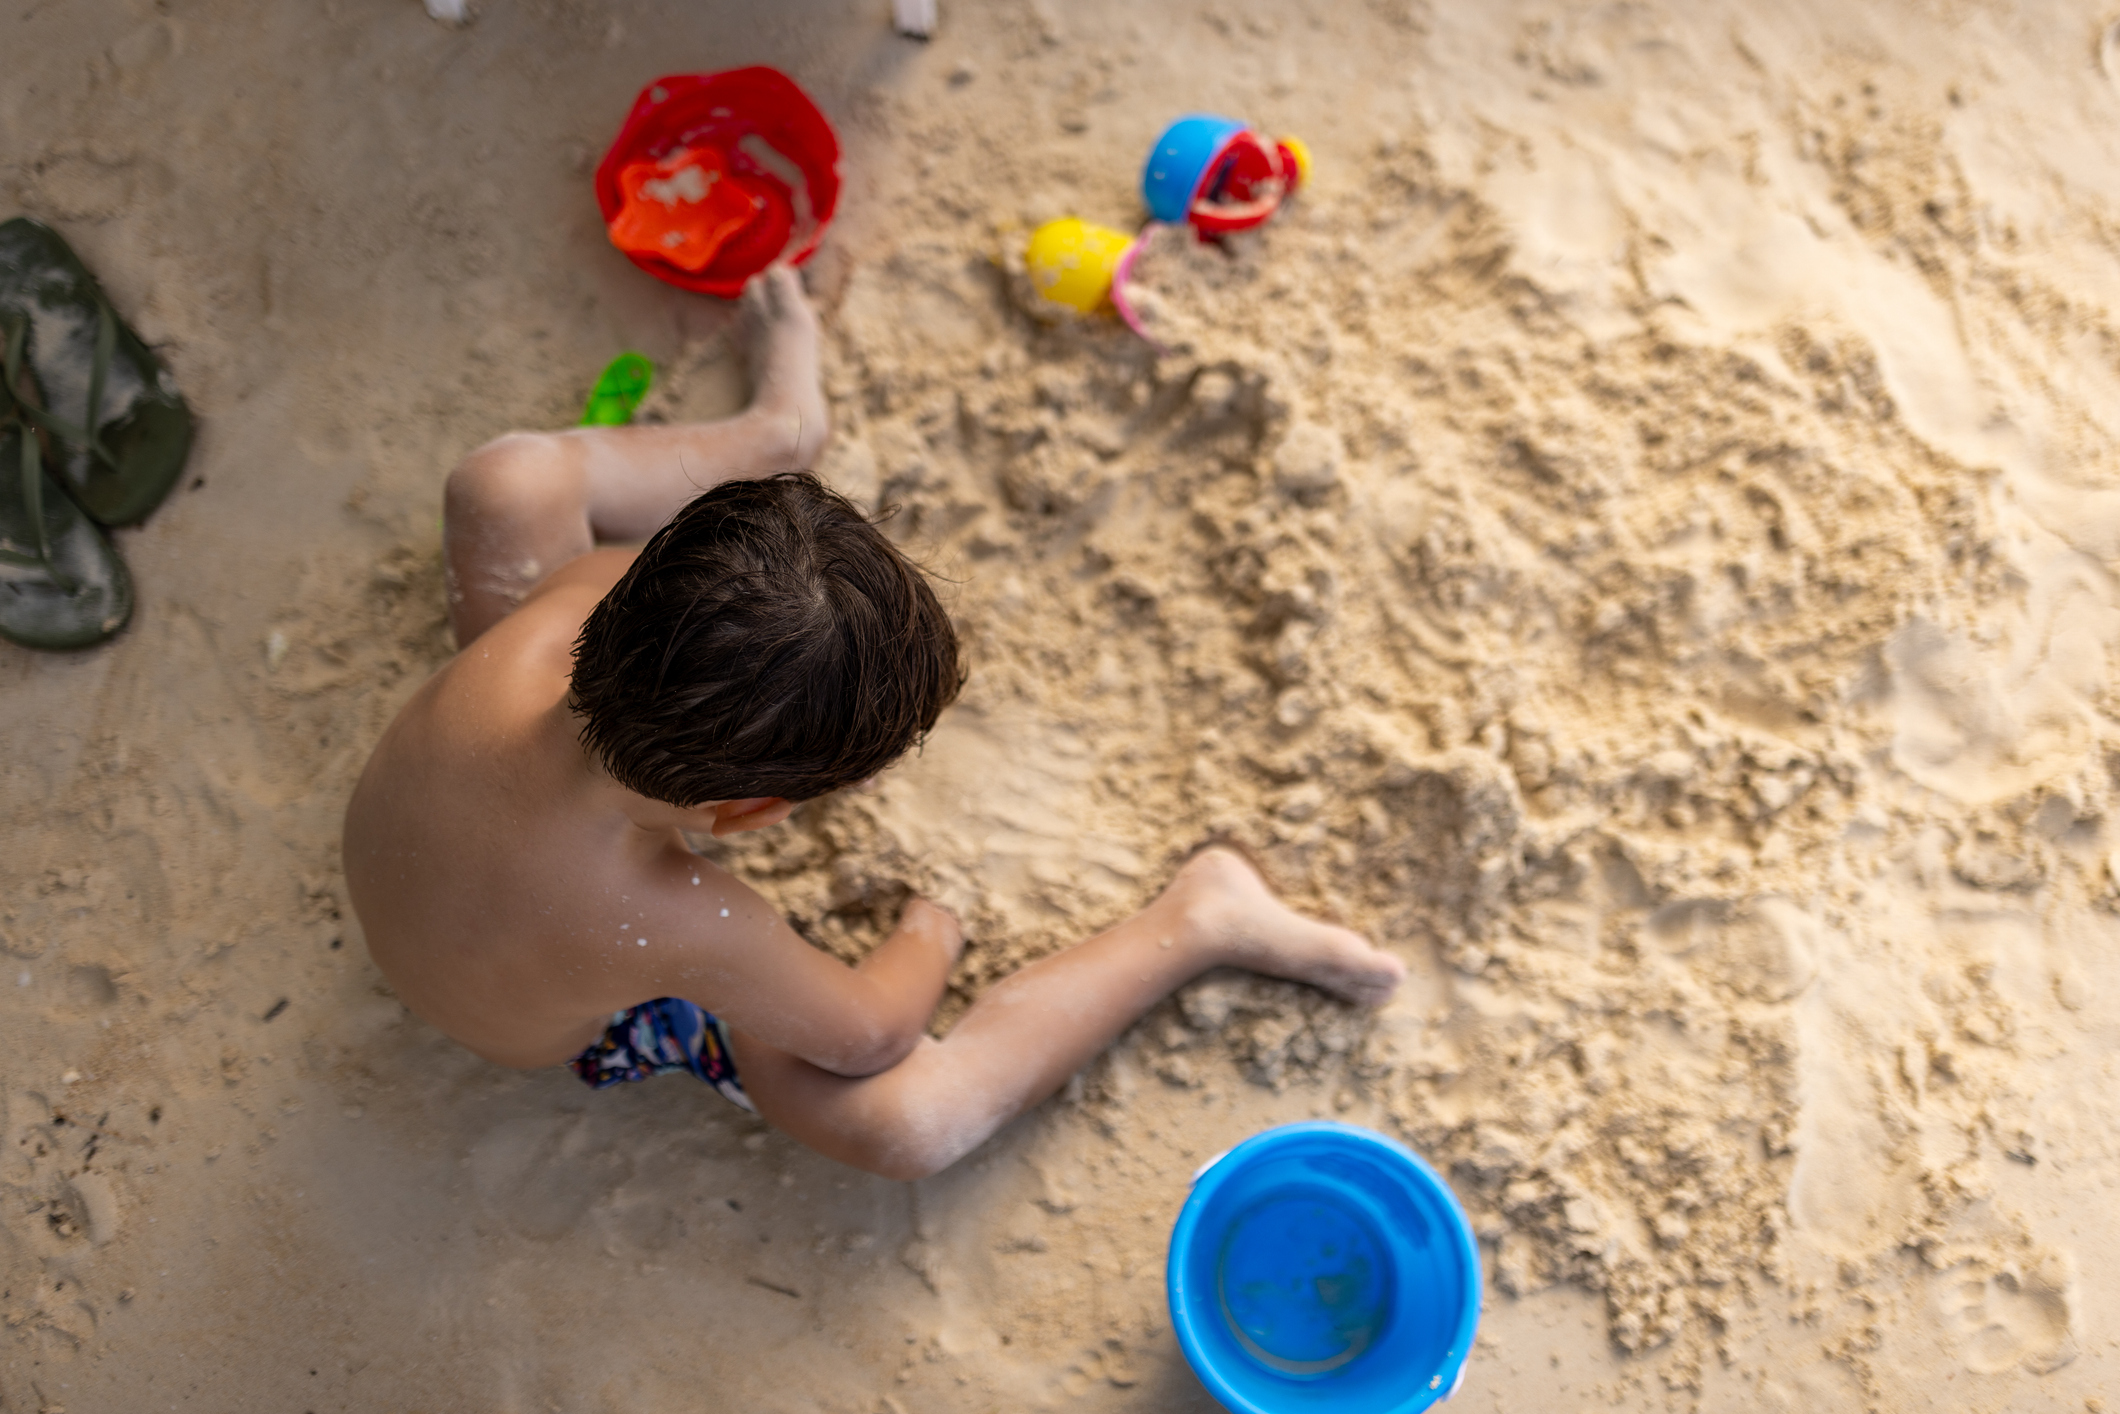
(754,971)
(521,506)
(529,503)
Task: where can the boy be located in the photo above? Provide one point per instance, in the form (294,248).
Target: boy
(513,848)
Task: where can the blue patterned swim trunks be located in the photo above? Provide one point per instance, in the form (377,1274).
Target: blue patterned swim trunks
(668,1033)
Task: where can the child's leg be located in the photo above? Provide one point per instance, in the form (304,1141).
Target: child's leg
(1030,1032)
(525,504)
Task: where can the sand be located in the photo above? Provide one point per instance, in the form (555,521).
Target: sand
(1637,536)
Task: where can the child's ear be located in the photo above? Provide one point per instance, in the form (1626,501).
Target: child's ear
(733,817)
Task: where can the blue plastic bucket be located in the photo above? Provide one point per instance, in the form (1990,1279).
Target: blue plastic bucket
(1322,1267)
(1180,160)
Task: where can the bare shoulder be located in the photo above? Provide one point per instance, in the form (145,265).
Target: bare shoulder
(531,650)
(592,575)
(446,740)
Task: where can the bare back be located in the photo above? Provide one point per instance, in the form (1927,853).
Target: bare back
(501,895)
(492,902)
(515,896)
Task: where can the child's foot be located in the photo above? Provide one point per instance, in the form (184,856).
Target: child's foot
(1224,897)
(783,346)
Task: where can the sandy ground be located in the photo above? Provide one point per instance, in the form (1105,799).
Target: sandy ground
(1638,536)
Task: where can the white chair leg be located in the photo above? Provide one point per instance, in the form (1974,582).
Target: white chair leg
(913,18)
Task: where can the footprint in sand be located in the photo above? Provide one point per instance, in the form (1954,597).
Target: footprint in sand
(91,185)
(87,988)
(2005,1317)
(1765,948)
(2109,53)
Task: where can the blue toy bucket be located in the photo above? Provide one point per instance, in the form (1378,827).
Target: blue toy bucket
(1321,1268)
(1180,159)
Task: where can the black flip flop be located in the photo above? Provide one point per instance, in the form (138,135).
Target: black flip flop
(61,584)
(118,431)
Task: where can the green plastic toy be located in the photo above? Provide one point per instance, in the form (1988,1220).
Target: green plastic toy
(618,391)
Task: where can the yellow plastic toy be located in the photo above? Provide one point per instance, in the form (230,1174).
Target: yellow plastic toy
(1295,147)
(1072,262)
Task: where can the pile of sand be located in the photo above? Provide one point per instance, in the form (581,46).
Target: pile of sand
(1636,536)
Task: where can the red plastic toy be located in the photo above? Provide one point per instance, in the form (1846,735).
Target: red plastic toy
(716,176)
(1219,175)
(1247,186)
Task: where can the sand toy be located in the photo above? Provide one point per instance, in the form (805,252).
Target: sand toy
(1072,262)
(713,177)
(1323,1267)
(618,391)
(1118,290)
(1219,175)
(1213,174)
(1124,272)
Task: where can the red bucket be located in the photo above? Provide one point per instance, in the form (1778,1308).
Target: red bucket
(716,176)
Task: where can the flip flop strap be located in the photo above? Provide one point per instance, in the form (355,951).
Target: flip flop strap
(33,497)
(32,463)
(32,470)
(43,559)
(98,372)
(11,362)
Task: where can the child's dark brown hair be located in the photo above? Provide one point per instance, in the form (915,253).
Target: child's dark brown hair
(768,641)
